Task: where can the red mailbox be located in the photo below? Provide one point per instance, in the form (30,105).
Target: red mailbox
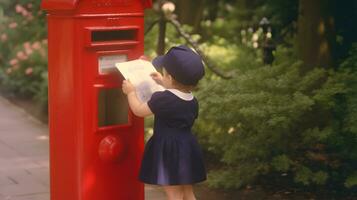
(96,143)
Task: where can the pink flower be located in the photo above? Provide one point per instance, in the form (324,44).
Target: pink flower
(25,13)
(44,41)
(27,45)
(28,51)
(29,17)
(8,70)
(13,25)
(29,5)
(36,45)
(21,55)
(19,8)
(13,62)
(22,10)
(29,71)
(28,48)
(3,37)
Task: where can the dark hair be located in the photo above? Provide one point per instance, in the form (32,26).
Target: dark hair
(183,86)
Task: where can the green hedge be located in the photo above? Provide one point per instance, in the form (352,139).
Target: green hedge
(278,122)
(23,49)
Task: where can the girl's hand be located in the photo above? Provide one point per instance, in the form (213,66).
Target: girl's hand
(157,77)
(128,87)
(144,57)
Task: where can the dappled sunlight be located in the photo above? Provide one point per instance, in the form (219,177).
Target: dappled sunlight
(324,49)
(321,28)
(42,137)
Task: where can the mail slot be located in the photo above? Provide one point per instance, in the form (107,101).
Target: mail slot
(114,35)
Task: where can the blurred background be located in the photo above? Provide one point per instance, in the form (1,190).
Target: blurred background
(278,104)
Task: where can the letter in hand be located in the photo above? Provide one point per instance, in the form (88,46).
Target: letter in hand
(157,77)
(127,87)
(144,57)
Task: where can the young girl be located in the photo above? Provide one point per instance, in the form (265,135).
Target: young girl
(172,157)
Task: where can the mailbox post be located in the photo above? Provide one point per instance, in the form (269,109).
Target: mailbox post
(96,143)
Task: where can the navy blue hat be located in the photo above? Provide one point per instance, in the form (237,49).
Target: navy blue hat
(183,64)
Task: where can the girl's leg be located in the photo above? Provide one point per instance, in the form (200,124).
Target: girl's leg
(188,193)
(174,192)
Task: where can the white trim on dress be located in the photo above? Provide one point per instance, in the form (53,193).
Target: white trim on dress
(182,95)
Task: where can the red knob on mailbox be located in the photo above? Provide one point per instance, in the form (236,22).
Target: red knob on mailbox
(111,149)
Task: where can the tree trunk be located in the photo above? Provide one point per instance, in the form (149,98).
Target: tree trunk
(316,33)
(161,37)
(190,12)
(212,9)
(315,44)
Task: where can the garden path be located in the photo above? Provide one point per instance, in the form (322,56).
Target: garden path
(24,164)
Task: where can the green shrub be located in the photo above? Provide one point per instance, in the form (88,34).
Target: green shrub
(27,71)
(344,142)
(270,120)
(23,49)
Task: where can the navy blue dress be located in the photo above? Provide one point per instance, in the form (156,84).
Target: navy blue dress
(172,155)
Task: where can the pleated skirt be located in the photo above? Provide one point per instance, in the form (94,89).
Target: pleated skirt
(174,159)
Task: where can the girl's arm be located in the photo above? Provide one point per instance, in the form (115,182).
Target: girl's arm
(139,109)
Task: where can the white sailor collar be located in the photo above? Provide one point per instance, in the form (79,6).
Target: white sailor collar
(182,95)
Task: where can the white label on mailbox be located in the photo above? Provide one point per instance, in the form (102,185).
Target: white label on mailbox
(107,63)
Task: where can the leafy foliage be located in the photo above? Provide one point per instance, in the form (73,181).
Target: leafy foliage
(235,16)
(270,119)
(23,53)
(343,143)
